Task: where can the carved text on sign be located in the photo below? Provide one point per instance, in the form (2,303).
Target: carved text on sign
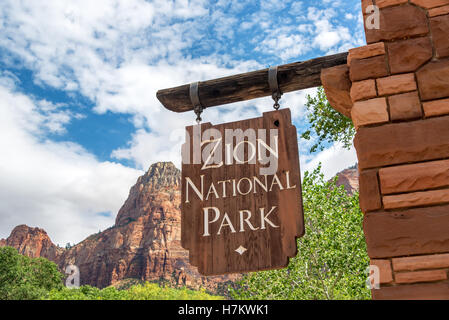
(241,194)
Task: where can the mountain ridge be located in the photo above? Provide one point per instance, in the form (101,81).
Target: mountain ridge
(145,241)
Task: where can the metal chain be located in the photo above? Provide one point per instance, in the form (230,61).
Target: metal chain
(198,110)
(276,97)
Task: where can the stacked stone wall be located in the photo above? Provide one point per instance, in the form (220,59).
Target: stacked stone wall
(396,90)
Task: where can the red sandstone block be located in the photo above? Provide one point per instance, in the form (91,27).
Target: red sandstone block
(365,89)
(337,86)
(388,3)
(366,3)
(420,276)
(427,4)
(414,177)
(399,22)
(410,232)
(405,106)
(396,84)
(416,199)
(386,275)
(439,11)
(424,291)
(371,111)
(440,26)
(435,261)
(368,51)
(365,12)
(436,108)
(370,199)
(401,143)
(374,67)
(433,80)
(409,55)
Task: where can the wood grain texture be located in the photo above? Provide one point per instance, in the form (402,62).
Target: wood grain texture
(251,85)
(268,248)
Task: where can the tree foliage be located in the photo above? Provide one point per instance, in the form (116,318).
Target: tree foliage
(24,278)
(147,291)
(332,258)
(326,123)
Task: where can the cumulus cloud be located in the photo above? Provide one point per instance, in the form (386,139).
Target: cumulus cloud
(56,186)
(333,160)
(117,54)
(321,29)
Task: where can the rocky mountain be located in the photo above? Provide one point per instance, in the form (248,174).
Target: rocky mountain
(144,243)
(32,242)
(349,178)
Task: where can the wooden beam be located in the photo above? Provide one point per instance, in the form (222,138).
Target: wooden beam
(291,77)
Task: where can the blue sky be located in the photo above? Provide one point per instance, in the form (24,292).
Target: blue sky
(79,118)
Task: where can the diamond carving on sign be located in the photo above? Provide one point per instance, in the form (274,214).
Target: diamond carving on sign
(241,184)
(241,250)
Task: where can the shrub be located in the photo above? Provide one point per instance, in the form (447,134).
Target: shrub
(24,278)
(147,291)
(332,258)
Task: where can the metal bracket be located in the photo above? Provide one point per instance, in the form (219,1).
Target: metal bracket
(276,92)
(195,100)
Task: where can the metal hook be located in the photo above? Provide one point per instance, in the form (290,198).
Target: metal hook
(195,99)
(276,93)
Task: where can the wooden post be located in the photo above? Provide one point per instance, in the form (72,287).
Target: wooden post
(251,85)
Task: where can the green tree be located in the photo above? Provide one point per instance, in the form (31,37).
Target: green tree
(147,291)
(24,278)
(326,123)
(332,258)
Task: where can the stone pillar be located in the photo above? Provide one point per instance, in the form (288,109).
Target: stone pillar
(396,90)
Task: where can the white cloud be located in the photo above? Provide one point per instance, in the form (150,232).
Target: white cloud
(272,5)
(333,160)
(349,16)
(318,29)
(56,186)
(285,46)
(118,54)
(327,34)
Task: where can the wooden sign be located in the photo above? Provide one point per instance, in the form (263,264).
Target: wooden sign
(241,194)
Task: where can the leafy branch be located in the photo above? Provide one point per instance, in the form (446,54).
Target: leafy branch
(326,123)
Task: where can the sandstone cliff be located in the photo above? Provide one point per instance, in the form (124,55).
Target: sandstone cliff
(349,178)
(144,243)
(32,242)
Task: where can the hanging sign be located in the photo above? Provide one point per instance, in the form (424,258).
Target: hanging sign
(241,194)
